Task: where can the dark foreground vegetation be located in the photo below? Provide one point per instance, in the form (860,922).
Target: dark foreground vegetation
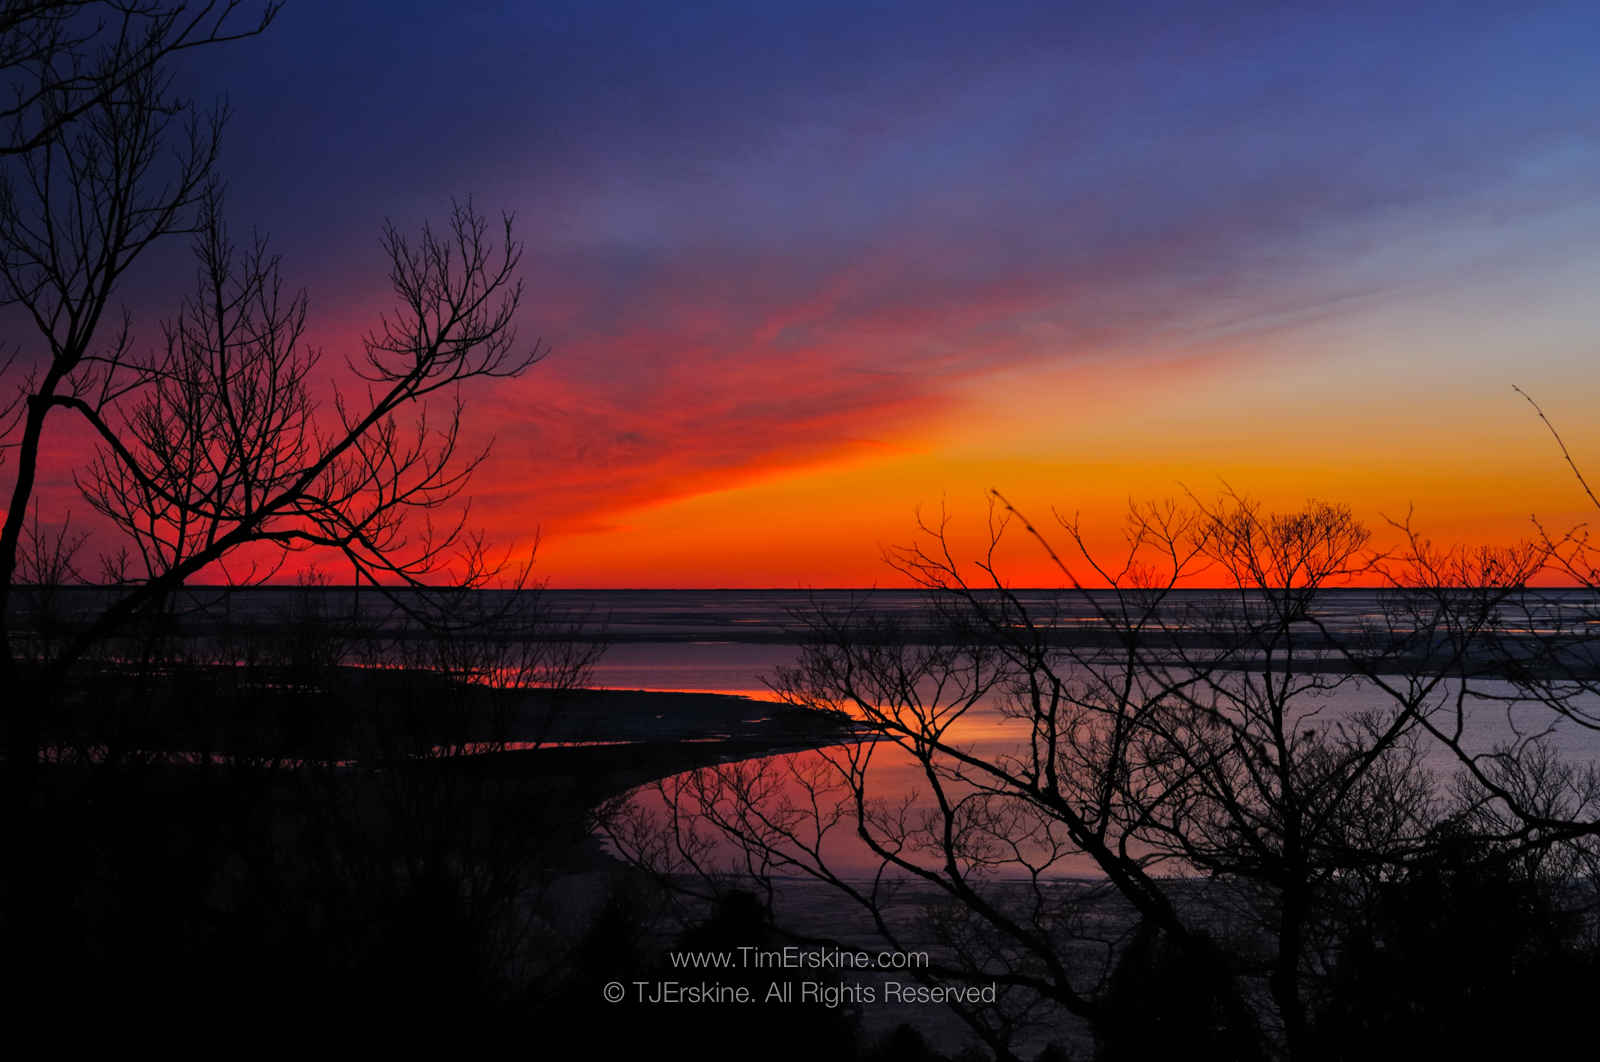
(303,819)
(273,832)
(339,825)
(1295,838)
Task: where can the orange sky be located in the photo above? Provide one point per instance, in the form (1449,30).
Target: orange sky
(806,270)
(1471,464)
(711,471)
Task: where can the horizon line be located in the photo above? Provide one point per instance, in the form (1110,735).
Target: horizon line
(758,589)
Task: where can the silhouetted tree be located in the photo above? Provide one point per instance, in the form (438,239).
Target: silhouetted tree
(202,853)
(214,443)
(60,60)
(1184,747)
(99,159)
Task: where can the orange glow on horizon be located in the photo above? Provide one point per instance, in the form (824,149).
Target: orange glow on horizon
(802,488)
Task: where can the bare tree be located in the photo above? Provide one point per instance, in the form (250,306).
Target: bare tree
(215,443)
(60,60)
(224,447)
(216,452)
(1523,655)
(1240,769)
(89,179)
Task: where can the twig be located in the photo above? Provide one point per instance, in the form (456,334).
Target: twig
(1557,435)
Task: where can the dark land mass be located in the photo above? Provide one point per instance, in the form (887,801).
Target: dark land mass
(340,846)
(389,748)
(358,718)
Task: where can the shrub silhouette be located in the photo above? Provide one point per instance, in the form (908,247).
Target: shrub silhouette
(1469,954)
(1161,1002)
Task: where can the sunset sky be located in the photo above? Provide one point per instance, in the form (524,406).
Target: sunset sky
(805,268)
